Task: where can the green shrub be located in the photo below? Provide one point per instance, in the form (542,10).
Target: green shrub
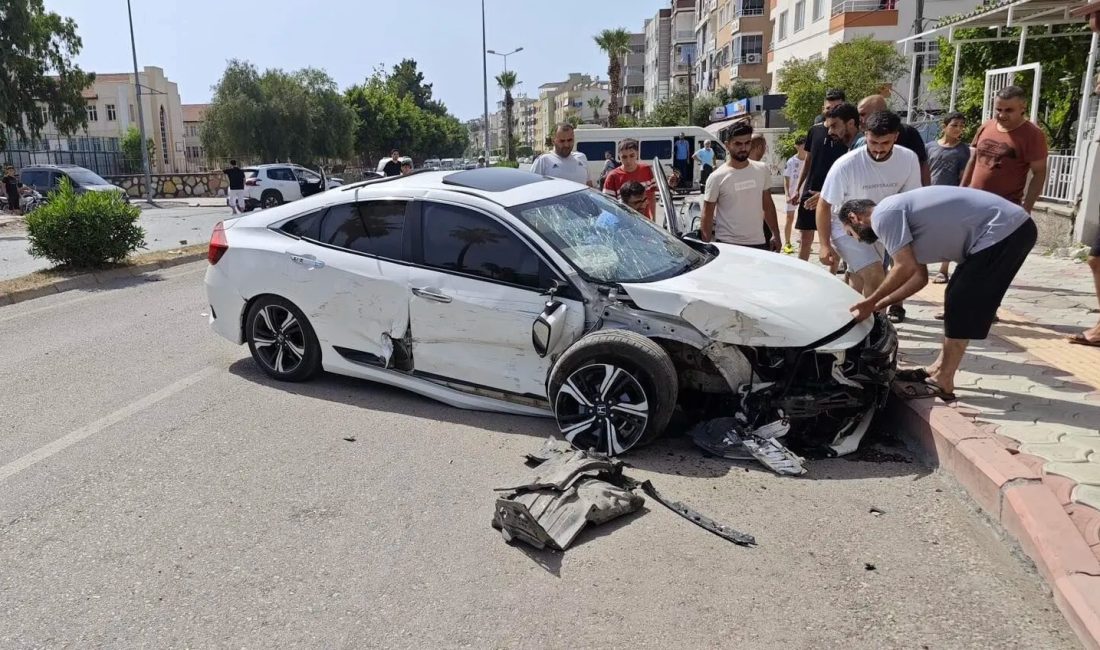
(84,230)
(785,146)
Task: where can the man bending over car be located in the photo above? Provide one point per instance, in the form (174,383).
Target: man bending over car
(987,236)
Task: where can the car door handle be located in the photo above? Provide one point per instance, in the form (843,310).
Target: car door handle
(430,293)
(306,260)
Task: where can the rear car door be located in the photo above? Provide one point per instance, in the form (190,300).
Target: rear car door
(349,277)
(477,289)
(284,180)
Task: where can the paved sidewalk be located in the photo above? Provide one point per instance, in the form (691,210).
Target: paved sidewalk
(1039,393)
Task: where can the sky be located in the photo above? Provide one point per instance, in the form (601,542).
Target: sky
(192,40)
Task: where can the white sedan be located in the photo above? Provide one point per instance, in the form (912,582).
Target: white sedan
(502,290)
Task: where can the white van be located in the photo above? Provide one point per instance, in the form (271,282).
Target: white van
(654,142)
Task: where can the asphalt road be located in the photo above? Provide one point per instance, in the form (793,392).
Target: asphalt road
(164,228)
(156,490)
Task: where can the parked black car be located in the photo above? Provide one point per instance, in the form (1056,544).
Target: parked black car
(47,178)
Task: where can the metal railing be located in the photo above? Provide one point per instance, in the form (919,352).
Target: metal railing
(1061,182)
(845,6)
(750,12)
(684,35)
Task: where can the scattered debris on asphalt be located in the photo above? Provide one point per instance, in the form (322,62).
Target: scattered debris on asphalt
(878,512)
(731,438)
(350,438)
(867,566)
(570,488)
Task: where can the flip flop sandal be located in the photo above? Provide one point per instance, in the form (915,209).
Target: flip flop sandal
(1079,339)
(896,315)
(926,389)
(940,278)
(912,375)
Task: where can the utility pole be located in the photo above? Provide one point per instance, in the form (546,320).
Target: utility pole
(691,86)
(918,67)
(141,112)
(484,79)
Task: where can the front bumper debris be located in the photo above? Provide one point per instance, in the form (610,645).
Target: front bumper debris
(730,438)
(570,488)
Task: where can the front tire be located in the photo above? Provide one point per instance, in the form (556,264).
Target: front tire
(612,391)
(281,340)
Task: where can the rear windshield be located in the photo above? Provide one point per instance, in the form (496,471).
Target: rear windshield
(250,172)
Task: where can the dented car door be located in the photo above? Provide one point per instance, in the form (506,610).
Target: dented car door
(476,291)
(356,286)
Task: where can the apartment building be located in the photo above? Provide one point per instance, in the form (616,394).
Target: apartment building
(684,49)
(749,35)
(193,117)
(524,110)
(658,58)
(111,108)
(561,100)
(809,28)
(709,58)
(633,73)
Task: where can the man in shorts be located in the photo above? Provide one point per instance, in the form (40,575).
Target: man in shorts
(791,173)
(236,187)
(873,171)
(632,170)
(821,152)
(987,236)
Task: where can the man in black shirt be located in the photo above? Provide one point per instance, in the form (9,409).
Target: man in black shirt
(393,165)
(236,187)
(908,137)
(821,152)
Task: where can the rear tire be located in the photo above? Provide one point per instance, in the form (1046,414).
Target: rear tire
(271,198)
(613,390)
(281,340)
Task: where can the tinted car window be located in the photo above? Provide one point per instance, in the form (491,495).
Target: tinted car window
(374,227)
(307,226)
(656,149)
(281,174)
(35,178)
(457,239)
(595,150)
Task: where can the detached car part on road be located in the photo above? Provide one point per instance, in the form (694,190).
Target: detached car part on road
(502,290)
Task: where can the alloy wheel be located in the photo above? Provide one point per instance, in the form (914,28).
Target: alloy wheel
(602,406)
(279,340)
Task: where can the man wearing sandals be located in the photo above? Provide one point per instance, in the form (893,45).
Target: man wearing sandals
(988,238)
(947,159)
(1091,13)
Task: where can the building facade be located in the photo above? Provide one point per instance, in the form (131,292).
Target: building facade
(658,58)
(750,34)
(563,100)
(193,153)
(684,55)
(633,74)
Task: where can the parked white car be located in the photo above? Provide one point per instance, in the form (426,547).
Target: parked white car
(502,290)
(267,186)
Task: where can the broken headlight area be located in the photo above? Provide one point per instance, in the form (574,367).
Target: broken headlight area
(819,403)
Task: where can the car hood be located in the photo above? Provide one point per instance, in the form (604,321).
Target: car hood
(751,297)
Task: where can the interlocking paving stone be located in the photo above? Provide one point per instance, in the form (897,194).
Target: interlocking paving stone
(1087,473)
(1088,495)
(1062,451)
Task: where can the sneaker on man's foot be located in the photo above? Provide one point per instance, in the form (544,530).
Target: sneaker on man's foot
(788,249)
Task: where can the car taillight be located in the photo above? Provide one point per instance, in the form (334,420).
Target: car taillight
(252,181)
(218,244)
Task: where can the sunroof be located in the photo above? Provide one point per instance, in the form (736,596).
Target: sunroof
(492,179)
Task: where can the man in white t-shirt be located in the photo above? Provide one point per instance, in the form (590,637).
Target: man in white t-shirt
(563,162)
(737,199)
(874,171)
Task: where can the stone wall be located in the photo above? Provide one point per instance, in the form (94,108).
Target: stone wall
(1055,222)
(174,186)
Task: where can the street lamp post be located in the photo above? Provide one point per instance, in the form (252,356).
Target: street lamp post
(505,55)
(141,112)
(485,80)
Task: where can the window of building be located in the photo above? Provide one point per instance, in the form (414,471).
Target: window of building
(751,48)
(751,8)
(45,114)
(164,136)
(112,115)
(818,10)
(782,26)
(463,241)
(799,15)
(93,115)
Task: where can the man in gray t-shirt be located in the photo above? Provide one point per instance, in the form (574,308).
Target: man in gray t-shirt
(988,236)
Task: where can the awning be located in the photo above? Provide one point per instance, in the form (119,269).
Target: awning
(1009,13)
(716,128)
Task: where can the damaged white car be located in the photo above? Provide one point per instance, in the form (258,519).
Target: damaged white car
(502,290)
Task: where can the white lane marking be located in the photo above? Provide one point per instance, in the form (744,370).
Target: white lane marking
(74,301)
(111,419)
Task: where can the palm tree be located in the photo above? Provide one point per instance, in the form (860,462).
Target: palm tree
(616,43)
(596,103)
(507,81)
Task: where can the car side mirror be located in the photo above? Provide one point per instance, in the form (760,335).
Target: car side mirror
(547,329)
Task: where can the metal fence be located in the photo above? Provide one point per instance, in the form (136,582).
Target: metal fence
(845,6)
(1061,182)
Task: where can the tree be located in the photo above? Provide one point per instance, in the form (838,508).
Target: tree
(131,149)
(278,115)
(1063,68)
(738,90)
(37,49)
(674,111)
(637,107)
(860,67)
(616,44)
(507,81)
(596,103)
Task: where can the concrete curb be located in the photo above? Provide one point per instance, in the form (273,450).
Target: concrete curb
(95,278)
(1017,497)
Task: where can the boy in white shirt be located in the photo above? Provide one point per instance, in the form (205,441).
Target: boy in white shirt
(790,189)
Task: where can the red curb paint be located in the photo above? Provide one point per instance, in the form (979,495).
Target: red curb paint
(1044,530)
(1061,486)
(1087,521)
(1079,599)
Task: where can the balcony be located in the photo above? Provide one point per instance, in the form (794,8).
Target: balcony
(863,13)
(683,35)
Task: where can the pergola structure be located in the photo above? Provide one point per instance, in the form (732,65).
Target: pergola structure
(1035,19)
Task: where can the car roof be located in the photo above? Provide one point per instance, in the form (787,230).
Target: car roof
(52,166)
(502,185)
